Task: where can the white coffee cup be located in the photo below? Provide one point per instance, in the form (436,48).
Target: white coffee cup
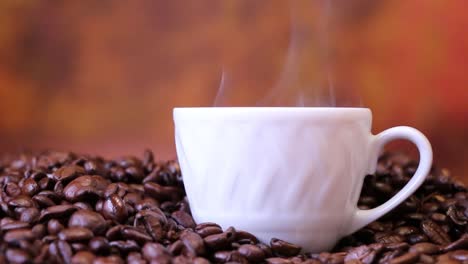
(289,173)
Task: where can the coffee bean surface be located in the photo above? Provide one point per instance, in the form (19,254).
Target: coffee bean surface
(59,207)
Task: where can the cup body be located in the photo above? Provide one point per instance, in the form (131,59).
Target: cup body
(288,173)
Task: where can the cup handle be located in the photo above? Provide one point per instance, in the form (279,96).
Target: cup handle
(361,218)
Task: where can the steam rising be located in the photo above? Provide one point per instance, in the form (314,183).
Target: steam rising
(221,90)
(301,82)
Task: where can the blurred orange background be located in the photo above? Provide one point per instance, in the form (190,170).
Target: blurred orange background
(103,76)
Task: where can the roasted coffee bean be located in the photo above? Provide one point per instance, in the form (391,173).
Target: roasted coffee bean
(152,251)
(153,199)
(406,230)
(83,257)
(425,248)
(90,220)
(60,251)
(39,230)
(43,201)
(82,205)
(57,211)
(184,219)
(460,255)
(278,261)
(68,173)
(219,241)
(435,233)
(75,234)
(245,237)
(461,243)
(114,209)
(85,188)
(365,254)
(417,238)
(30,215)
(229,256)
(12,189)
(30,187)
(78,247)
(162,193)
(135,234)
(152,222)
(135,257)
(206,229)
(284,248)
(17,256)
(114,259)
(193,242)
(54,227)
(405,259)
(99,245)
(14,225)
(21,201)
(252,253)
(125,246)
(16,235)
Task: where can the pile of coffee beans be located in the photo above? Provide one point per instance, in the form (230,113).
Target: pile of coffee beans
(66,208)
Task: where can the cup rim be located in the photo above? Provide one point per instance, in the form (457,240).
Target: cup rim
(242,113)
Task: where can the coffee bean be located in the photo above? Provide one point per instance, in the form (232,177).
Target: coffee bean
(16,235)
(406,230)
(435,233)
(99,245)
(152,222)
(461,255)
(135,234)
(245,237)
(461,243)
(405,259)
(184,219)
(109,260)
(12,189)
(30,215)
(218,241)
(425,248)
(206,229)
(114,209)
(60,251)
(162,193)
(125,246)
(158,217)
(115,232)
(21,201)
(83,257)
(90,220)
(14,225)
(30,187)
(417,238)
(278,261)
(153,251)
(57,211)
(284,248)
(43,201)
(85,188)
(252,253)
(193,242)
(365,254)
(68,173)
(82,205)
(17,256)
(75,234)
(229,256)
(54,227)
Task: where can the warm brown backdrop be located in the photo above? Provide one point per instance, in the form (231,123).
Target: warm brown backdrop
(103,76)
